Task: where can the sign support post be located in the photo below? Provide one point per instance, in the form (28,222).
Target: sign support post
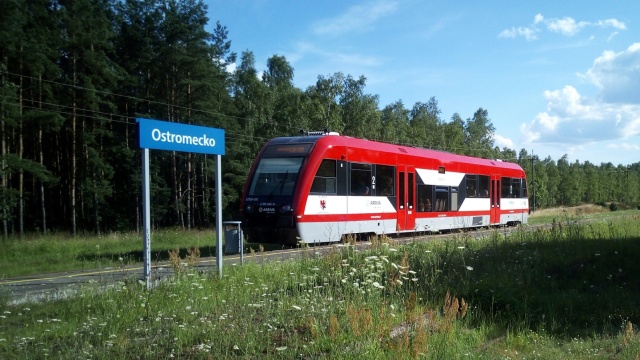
(146,217)
(219,214)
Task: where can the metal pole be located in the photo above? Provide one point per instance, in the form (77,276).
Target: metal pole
(219,213)
(533,179)
(146,217)
(241,240)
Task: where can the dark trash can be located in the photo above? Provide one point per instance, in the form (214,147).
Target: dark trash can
(232,237)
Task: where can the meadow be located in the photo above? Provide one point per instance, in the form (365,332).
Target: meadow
(568,291)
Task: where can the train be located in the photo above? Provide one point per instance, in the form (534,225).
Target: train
(321,187)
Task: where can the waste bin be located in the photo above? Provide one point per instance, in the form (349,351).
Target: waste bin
(232,237)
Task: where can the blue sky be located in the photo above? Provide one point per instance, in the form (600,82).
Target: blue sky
(556,77)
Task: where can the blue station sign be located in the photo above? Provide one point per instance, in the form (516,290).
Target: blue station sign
(164,135)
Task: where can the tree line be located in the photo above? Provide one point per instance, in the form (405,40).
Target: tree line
(74,75)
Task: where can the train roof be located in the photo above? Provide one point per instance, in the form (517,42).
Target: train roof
(341,140)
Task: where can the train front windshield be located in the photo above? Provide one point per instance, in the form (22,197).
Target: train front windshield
(275,176)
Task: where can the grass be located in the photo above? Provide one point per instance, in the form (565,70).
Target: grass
(583,212)
(571,291)
(61,252)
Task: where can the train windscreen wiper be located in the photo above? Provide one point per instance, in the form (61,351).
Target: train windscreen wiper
(280,184)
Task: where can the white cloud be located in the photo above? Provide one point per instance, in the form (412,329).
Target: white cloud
(624,146)
(502,142)
(357,18)
(617,75)
(538,18)
(527,33)
(612,35)
(611,23)
(572,120)
(567,26)
(331,56)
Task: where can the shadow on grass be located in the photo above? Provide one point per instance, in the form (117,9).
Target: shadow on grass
(572,280)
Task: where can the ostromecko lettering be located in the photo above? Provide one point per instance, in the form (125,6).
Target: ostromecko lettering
(168,137)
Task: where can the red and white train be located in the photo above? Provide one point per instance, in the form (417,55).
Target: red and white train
(320,187)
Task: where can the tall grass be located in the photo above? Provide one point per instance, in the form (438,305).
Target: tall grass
(61,252)
(568,292)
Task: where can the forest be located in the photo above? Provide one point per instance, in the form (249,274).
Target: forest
(74,75)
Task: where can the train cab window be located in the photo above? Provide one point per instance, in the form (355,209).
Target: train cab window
(275,176)
(325,180)
(425,196)
(525,192)
(483,186)
(360,176)
(384,180)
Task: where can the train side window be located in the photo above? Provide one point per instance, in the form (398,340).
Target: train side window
(511,188)
(442,199)
(360,179)
(506,187)
(472,186)
(325,180)
(425,194)
(516,187)
(483,186)
(384,180)
(454,199)
(411,188)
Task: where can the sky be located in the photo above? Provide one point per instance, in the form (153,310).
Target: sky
(556,77)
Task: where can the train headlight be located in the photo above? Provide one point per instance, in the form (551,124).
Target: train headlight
(285,209)
(249,208)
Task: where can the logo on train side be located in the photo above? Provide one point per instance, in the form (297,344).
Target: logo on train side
(323,204)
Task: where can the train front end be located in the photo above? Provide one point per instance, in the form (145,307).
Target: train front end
(268,201)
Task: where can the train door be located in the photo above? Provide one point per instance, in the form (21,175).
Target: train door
(495,201)
(406,183)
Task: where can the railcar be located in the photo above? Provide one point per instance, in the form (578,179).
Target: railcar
(320,187)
